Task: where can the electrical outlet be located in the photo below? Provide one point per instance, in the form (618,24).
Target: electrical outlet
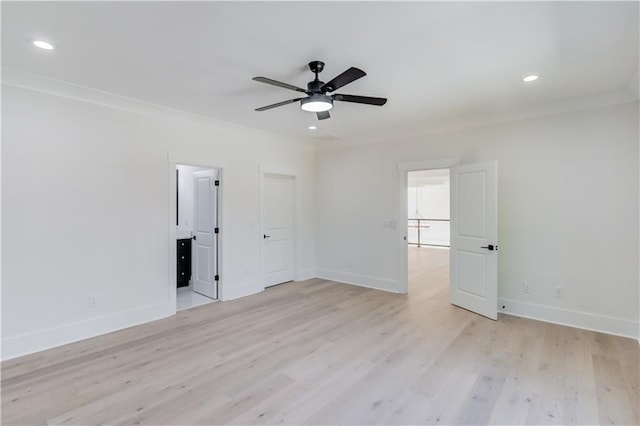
(93,301)
(526,288)
(559,292)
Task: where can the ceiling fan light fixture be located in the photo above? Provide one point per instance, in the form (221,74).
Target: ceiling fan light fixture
(43,45)
(316,103)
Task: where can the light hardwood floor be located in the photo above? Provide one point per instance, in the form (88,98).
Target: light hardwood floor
(319,352)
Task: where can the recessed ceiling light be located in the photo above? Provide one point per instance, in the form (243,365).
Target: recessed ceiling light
(312,127)
(43,45)
(530,78)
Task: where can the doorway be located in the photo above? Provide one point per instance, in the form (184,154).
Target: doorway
(473,260)
(278,228)
(197,232)
(428,233)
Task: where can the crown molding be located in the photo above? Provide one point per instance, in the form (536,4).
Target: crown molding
(625,95)
(39,83)
(35,82)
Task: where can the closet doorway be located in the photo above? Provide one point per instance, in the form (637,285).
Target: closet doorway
(197,235)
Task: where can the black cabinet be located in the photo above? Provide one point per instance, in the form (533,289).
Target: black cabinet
(184,262)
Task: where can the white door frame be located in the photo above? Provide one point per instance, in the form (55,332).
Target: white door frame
(294,236)
(404,168)
(175,159)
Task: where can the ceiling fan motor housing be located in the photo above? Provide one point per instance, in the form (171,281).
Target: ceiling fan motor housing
(314,86)
(316,66)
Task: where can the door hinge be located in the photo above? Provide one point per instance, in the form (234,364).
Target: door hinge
(216,278)
(216,231)
(217,183)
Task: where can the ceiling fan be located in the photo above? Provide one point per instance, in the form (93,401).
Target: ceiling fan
(318,99)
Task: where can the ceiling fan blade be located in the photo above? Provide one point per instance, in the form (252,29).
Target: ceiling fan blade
(360,99)
(279,84)
(290,101)
(323,115)
(350,75)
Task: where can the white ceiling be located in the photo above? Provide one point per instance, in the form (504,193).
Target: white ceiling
(434,61)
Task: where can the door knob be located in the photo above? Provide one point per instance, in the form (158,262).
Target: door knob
(490,247)
(266,236)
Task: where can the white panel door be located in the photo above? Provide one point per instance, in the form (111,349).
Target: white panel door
(474,238)
(204,242)
(277,221)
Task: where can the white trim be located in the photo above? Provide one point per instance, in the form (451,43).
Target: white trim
(359,280)
(238,290)
(288,170)
(403,168)
(13,347)
(570,318)
(436,163)
(623,96)
(306,274)
(29,81)
(190,159)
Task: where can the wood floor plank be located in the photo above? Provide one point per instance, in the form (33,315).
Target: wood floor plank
(518,393)
(320,352)
(481,399)
(613,395)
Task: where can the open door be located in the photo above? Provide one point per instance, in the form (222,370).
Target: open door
(204,233)
(474,238)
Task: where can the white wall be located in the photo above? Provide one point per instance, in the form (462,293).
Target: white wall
(431,201)
(86,209)
(568,212)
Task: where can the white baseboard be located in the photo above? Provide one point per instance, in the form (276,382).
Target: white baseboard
(577,319)
(236,291)
(306,274)
(359,280)
(13,347)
